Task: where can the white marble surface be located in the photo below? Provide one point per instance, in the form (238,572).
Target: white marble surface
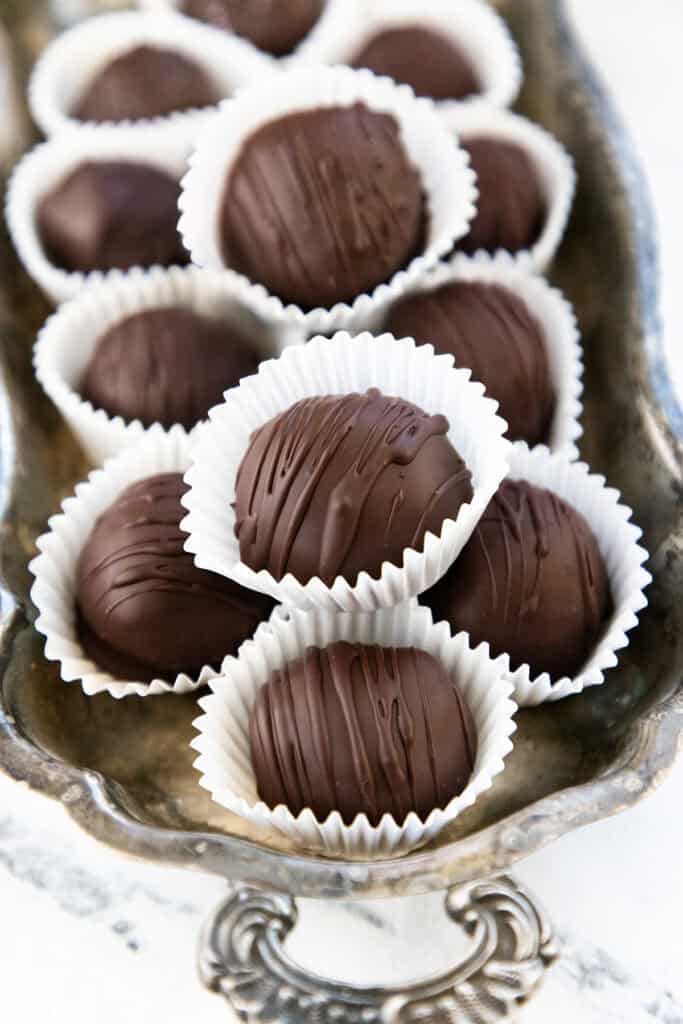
(86,934)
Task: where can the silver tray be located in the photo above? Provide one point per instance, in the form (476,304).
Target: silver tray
(124,769)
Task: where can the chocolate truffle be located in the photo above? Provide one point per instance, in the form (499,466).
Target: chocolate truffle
(339,485)
(511,207)
(166,366)
(322,206)
(108,215)
(144,609)
(358,729)
(276,26)
(143,83)
(531,581)
(431,63)
(490,330)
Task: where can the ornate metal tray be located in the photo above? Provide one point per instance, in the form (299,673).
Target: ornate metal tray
(124,769)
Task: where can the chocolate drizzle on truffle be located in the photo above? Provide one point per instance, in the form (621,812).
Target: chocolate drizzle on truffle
(531,582)
(271,25)
(428,61)
(166,366)
(490,330)
(322,206)
(361,729)
(340,484)
(143,83)
(145,610)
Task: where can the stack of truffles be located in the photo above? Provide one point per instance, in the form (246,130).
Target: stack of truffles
(304,336)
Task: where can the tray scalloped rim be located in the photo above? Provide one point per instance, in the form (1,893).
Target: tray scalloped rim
(99,806)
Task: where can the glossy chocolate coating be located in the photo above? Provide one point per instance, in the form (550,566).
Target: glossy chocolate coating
(322,206)
(511,208)
(144,609)
(143,83)
(338,485)
(490,330)
(108,215)
(276,26)
(531,581)
(428,61)
(361,729)
(166,366)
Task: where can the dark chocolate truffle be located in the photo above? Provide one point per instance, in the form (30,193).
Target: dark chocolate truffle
(490,330)
(341,484)
(360,729)
(322,206)
(146,82)
(531,581)
(428,61)
(511,207)
(112,215)
(144,609)
(166,366)
(272,25)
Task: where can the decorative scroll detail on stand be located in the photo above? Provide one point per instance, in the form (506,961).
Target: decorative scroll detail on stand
(242,957)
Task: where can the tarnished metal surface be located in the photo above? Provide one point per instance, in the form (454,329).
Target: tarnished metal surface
(125,769)
(243,957)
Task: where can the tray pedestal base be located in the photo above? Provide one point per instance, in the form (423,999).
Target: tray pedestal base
(510,948)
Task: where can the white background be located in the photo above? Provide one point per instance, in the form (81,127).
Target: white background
(86,934)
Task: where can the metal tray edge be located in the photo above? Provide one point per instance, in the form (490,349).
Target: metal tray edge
(98,805)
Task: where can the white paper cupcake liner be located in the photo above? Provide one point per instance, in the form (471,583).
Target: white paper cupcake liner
(53,592)
(337,366)
(617,539)
(473,26)
(552,311)
(159,6)
(49,163)
(223,743)
(73,59)
(60,363)
(431,146)
(554,164)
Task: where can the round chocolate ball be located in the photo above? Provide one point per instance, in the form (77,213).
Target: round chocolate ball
(431,63)
(490,330)
(359,729)
(322,206)
(511,209)
(143,83)
(272,25)
(144,609)
(531,582)
(166,366)
(112,214)
(336,486)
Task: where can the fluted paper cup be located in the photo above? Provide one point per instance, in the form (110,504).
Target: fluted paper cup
(549,308)
(617,537)
(48,164)
(553,163)
(60,363)
(74,59)
(223,742)
(432,148)
(54,569)
(338,366)
(472,25)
